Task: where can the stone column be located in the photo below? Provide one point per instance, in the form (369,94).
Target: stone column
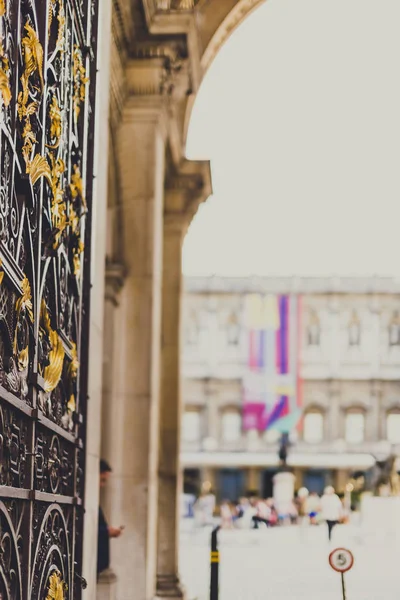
(111,407)
(182,192)
(141,157)
(168,585)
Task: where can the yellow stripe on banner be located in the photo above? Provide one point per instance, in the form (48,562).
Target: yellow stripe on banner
(271,313)
(254,310)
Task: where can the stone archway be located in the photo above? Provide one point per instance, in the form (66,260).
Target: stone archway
(160,51)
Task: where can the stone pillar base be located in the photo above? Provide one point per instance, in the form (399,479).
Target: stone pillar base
(107,585)
(169,586)
(283,491)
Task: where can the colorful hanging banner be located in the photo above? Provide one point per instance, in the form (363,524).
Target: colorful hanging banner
(272,386)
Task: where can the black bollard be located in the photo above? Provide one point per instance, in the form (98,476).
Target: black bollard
(214,560)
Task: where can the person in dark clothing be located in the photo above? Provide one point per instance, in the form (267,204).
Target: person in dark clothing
(105,532)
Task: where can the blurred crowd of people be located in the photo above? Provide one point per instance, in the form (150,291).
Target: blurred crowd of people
(253,512)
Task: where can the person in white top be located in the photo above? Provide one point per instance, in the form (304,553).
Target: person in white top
(331,509)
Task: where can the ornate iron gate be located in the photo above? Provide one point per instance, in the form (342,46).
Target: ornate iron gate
(47,72)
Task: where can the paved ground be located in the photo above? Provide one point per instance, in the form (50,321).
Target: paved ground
(292,563)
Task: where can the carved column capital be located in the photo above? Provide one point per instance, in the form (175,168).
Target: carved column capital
(115,276)
(185,191)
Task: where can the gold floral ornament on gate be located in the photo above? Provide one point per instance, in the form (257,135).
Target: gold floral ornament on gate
(80,81)
(32,52)
(72,377)
(55,123)
(24,311)
(39,168)
(53,371)
(57,587)
(61,22)
(5,73)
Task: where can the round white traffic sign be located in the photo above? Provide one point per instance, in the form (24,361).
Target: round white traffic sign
(341,560)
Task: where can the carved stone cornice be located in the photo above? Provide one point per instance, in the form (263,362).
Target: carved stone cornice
(176,4)
(115,277)
(177,18)
(157,70)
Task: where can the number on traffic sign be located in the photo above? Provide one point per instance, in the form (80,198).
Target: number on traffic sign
(341,560)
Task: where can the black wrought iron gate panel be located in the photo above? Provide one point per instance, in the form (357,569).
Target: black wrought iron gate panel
(47,82)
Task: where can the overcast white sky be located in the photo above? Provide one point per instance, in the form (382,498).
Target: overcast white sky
(300,116)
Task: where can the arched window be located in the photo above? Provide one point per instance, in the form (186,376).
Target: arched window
(354,330)
(314,330)
(394,330)
(355,427)
(191,426)
(313,427)
(233,329)
(393,427)
(231,426)
(192,329)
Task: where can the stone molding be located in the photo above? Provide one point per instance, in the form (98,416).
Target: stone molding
(329,286)
(185,190)
(106,577)
(115,277)
(169,586)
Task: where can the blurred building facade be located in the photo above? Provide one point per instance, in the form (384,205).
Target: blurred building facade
(348,357)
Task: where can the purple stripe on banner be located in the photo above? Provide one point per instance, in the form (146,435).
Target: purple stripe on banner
(284,336)
(277,412)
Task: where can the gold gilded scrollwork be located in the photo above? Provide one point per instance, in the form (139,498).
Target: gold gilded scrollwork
(32,51)
(55,123)
(39,167)
(24,302)
(53,371)
(76,186)
(77,258)
(61,22)
(58,204)
(1,271)
(4,77)
(2,8)
(24,309)
(80,81)
(57,587)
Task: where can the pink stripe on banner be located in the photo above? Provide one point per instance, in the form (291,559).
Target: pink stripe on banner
(253,416)
(261,349)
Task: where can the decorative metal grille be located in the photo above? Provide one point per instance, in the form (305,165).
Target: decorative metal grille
(47,81)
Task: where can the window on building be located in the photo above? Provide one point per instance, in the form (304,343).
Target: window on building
(354,330)
(355,427)
(192,330)
(233,330)
(313,427)
(231,426)
(191,426)
(393,428)
(394,330)
(314,330)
